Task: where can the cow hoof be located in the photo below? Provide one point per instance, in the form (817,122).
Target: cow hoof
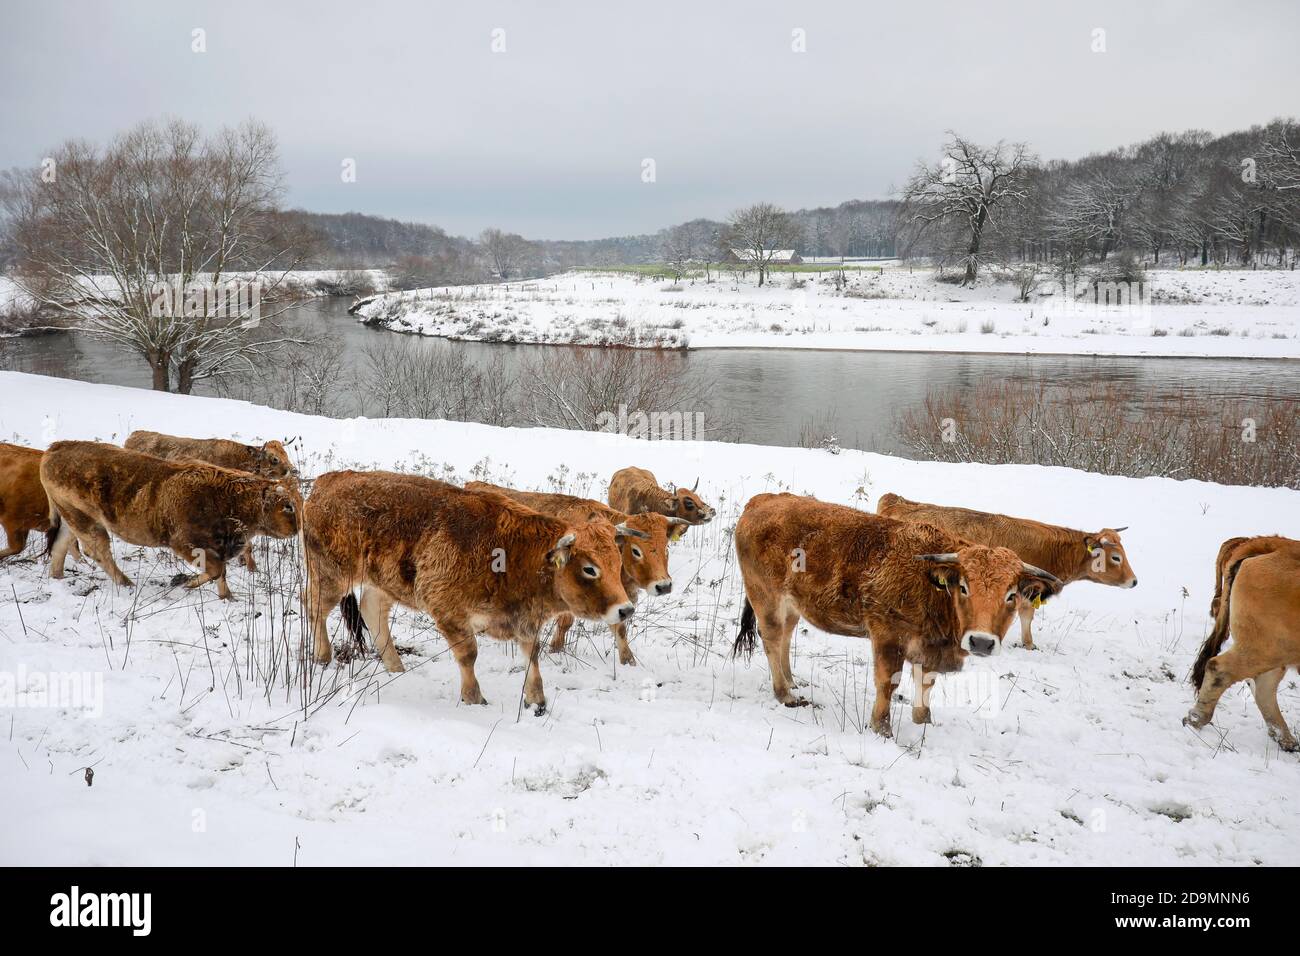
(540,710)
(1029,647)
(627,661)
(882,728)
(921,715)
(1194,720)
(796,702)
(474,698)
(179,579)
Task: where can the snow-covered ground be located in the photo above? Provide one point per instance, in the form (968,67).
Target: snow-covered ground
(211,744)
(895,307)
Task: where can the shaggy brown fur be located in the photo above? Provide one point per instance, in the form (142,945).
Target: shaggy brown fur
(474,561)
(202,512)
(23,505)
(918,593)
(1257,601)
(1070,555)
(635,491)
(645,560)
(270,460)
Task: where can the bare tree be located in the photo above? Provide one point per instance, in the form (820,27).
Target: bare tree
(164,243)
(965,187)
(680,248)
(758,231)
(505,251)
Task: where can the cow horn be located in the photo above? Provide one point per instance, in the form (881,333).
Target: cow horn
(948,558)
(1118,530)
(697,483)
(629,532)
(1040,573)
(673,519)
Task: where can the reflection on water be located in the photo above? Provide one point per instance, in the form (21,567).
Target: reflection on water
(769,394)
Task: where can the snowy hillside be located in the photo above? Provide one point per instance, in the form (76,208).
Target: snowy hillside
(212,744)
(1188,313)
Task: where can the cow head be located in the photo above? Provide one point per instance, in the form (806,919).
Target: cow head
(983,585)
(588,571)
(645,560)
(1106,562)
(281,508)
(684,503)
(272,461)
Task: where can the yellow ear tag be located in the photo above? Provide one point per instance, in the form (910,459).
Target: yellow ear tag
(557,561)
(1037,601)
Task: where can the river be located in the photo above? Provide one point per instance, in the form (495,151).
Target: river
(768,395)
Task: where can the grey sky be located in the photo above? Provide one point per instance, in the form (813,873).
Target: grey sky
(548,137)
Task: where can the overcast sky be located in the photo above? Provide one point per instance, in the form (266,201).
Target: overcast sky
(548,137)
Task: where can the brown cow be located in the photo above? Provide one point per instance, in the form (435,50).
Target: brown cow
(918,593)
(1065,553)
(270,460)
(1257,601)
(645,561)
(474,561)
(23,505)
(197,510)
(635,491)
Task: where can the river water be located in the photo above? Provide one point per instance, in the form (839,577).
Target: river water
(768,396)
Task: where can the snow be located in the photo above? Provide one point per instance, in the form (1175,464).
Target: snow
(1203,313)
(200,757)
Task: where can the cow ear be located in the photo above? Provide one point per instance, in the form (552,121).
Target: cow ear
(941,576)
(676,528)
(559,555)
(1090,543)
(1036,590)
(669,503)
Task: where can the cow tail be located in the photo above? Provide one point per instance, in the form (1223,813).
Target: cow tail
(52,533)
(1219,633)
(1225,550)
(746,639)
(352,618)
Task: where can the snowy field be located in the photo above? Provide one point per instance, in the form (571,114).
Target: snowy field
(211,743)
(1184,313)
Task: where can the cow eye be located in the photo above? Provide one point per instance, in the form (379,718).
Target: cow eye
(288,507)
(591,571)
(690,505)
(1011,596)
(1115,559)
(964,590)
(636,552)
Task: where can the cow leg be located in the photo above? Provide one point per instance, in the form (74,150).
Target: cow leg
(247,557)
(921,694)
(214,569)
(888,663)
(464,646)
(1221,672)
(375,607)
(562,625)
(1266,699)
(1026,611)
(775,628)
(324,590)
(100,548)
(533,693)
(59,553)
(16,538)
(625,655)
(787,628)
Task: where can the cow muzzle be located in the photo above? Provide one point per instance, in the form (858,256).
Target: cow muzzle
(659,588)
(980,644)
(620,613)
